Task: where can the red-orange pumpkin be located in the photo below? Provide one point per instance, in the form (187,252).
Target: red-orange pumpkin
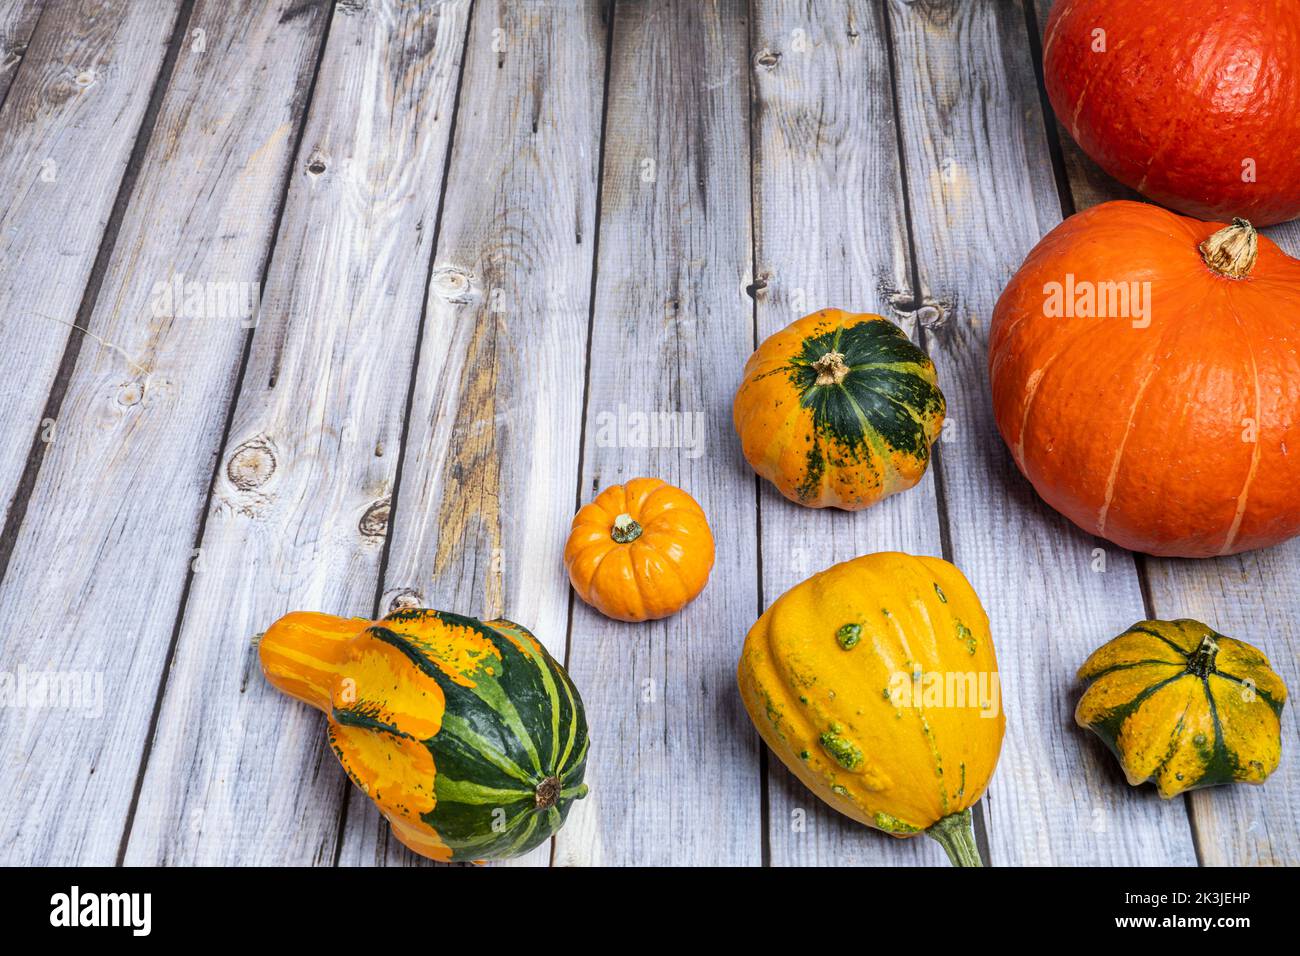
(1191,102)
(1172,425)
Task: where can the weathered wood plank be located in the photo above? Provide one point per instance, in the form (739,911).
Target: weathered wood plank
(983,193)
(674,766)
(491,460)
(1250,596)
(101,559)
(17,21)
(829,230)
(299,509)
(66,132)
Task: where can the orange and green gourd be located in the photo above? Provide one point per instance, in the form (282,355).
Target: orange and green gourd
(1184,706)
(470,739)
(839,410)
(876,683)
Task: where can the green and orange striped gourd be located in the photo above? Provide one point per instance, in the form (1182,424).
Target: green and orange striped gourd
(470,739)
(839,410)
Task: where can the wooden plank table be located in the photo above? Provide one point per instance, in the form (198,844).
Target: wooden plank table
(439,246)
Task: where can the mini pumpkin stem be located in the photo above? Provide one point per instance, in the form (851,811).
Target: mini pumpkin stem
(830,368)
(1232,250)
(956,834)
(625,529)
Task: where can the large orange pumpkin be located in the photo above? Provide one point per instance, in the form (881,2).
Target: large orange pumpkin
(1146,376)
(1190,102)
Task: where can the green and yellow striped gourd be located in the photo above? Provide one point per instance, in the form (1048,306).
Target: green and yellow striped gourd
(1184,706)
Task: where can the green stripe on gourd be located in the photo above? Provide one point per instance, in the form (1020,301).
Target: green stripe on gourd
(541,684)
(1109,727)
(520,691)
(1220,766)
(485,736)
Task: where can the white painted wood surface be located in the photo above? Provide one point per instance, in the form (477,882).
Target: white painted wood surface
(100,562)
(983,193)
(17,21)
(674,766)
(830,230)
(1254,597)
(429,389)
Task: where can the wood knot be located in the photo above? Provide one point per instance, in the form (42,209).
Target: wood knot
(132,393)
(406,597)
(930,315)
(11,57)
(252,464)
(374,523)
(316,163)
(767,59)
(452,285)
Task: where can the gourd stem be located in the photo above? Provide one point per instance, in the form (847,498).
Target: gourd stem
(1201,661)
(625,529)
(1232,251)
(547,792)
(830,368)
(956,834)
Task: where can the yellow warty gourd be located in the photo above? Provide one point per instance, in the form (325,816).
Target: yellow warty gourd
(876,683)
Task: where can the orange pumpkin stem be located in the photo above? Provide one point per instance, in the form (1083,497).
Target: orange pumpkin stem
(830,368)
(625,529)
(1232,250)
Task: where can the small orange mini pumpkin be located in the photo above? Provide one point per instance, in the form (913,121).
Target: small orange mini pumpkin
(640,551)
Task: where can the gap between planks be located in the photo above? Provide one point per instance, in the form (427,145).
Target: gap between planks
(608,13)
